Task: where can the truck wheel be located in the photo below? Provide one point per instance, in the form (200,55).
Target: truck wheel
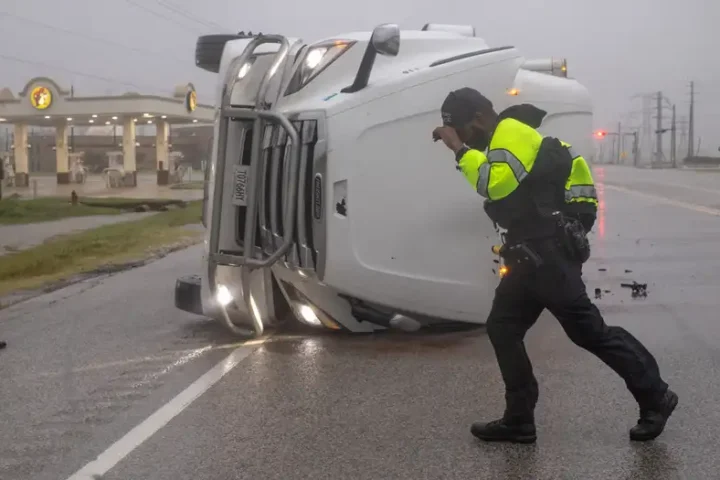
(282,308)
(188,295)
(209,50)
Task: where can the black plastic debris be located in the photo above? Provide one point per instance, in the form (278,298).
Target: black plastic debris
(2,344)
(598,294)
(628,271)
(639,290)
(602,269)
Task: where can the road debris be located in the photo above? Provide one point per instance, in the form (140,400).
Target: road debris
(639,290)
(599,293)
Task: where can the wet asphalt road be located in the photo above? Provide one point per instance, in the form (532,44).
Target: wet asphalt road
(86,365)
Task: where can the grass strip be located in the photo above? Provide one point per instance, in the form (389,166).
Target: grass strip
(14,211)
(67,256)
(194,185)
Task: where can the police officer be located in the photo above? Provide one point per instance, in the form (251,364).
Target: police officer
(542,193)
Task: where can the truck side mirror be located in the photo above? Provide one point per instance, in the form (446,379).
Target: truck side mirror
(385,40)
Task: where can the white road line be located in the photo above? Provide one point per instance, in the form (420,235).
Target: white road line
(135,437)
(677,203)
(685,186)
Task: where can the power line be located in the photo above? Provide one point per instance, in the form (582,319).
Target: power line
(185,13)
(90,37)
(75,72)
(157,14)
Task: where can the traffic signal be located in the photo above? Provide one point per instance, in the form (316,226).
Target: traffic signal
(600,134)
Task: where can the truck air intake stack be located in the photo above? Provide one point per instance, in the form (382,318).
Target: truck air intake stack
(209,49)
(554,66)
(463,30)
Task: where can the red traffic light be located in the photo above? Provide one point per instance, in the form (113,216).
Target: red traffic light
(600,134)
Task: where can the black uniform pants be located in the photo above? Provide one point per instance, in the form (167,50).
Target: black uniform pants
(557,285)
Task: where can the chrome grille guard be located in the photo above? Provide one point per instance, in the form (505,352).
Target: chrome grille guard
(262,114)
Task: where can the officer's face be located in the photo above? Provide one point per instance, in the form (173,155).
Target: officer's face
(474,134)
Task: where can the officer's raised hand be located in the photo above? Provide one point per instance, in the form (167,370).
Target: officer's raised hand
(449,136)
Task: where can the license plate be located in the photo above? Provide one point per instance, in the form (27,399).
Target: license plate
(240,185)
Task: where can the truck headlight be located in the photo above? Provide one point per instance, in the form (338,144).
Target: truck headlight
(316,59)
(245,68)
(309,316)
(223,295)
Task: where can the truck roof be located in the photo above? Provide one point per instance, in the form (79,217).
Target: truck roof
(408,35)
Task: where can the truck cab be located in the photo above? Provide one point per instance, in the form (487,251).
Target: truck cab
(328,201)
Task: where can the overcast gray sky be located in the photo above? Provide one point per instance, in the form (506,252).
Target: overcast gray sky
(617,48)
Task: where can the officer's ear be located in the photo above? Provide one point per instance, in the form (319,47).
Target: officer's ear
(480,122)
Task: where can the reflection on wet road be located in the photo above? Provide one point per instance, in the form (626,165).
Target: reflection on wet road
(110,366)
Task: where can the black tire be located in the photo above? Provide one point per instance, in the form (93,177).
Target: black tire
(188,295)
(283,311)
(209,50)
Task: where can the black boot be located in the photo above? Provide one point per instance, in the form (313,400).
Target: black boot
(504,431)
(652,420)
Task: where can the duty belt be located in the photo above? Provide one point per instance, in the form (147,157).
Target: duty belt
(518,253)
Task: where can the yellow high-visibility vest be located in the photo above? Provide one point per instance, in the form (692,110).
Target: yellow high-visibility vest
(580,186)
(510,158)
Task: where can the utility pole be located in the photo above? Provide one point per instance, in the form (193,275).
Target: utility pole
(658,131)
(683,133)
(636,148)
(647,127)
(72,127)
(673,149)
(646,147)
(691,127)
(620,145)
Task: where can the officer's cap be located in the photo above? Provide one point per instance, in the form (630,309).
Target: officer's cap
(460,106)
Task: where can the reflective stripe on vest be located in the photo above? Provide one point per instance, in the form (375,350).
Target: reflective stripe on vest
(581,193)
(471,164)
(483,176)
(513,149)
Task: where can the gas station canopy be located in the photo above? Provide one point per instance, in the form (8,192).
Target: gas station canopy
(44,103)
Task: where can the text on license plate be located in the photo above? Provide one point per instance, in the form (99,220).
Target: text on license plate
(240,185)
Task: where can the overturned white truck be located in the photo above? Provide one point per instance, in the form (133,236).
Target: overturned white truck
(327,199)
